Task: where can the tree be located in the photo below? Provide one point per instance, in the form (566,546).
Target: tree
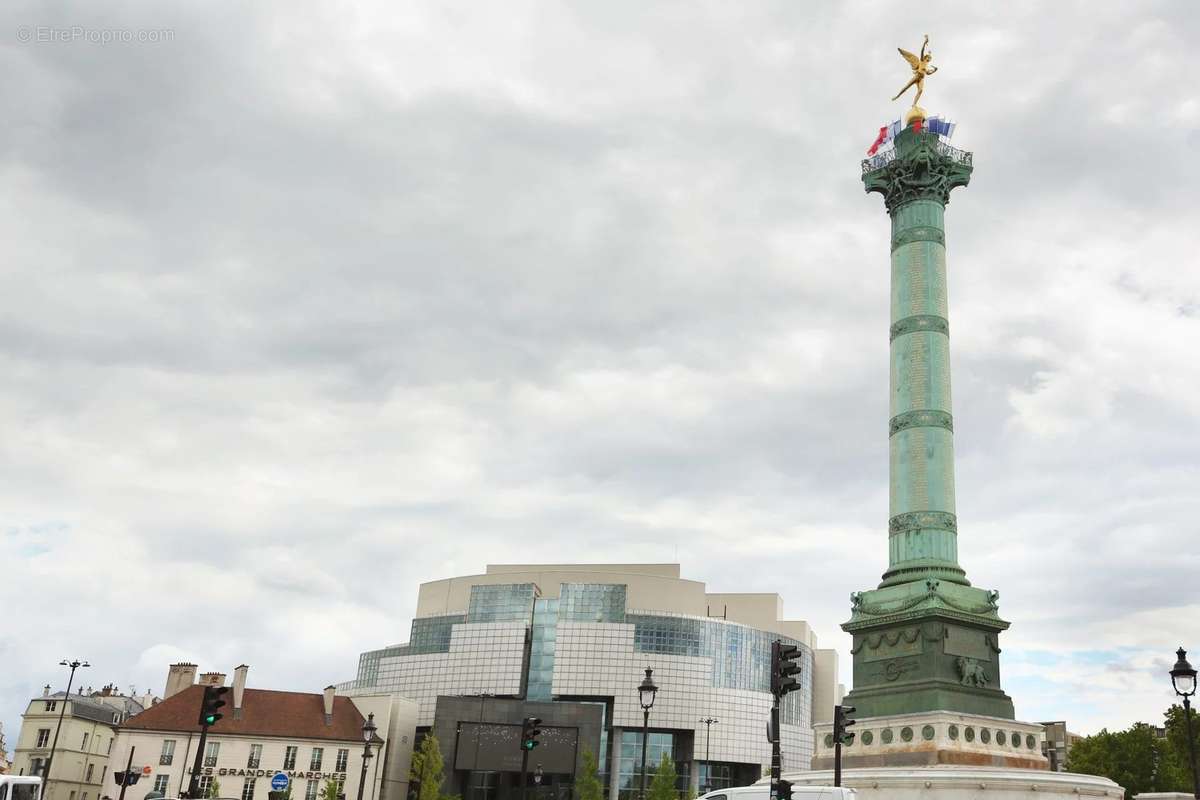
(214,789)
(331,789)
(1135,758)
(662,785)
(427,769)
(588,784)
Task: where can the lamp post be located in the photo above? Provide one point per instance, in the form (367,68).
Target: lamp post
(74,665)
(708,722)
(646,692)
(1183,678)
(368,730)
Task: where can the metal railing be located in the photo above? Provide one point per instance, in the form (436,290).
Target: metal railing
(252,763)
(166,758)
(942,148)
(210,761)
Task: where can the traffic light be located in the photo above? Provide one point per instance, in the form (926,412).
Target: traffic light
(212,701)
(784,668)
(784,791)
(842,721)
(529,732)
(124,778)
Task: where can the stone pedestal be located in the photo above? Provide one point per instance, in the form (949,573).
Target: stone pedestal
(963,783)
(933,738)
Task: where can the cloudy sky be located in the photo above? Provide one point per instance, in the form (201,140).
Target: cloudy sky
(303,305)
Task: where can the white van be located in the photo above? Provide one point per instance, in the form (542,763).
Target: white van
(20,787)
(762,791)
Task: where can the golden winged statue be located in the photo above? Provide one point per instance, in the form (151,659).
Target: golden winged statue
(920,67)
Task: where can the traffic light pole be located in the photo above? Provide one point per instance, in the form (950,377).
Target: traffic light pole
(194,784)
(125,780)
(837,760)
(524,770)
(776,755)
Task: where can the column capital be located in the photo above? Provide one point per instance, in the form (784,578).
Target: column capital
(920,167)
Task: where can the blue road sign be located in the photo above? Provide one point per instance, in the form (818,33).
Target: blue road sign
(279,782)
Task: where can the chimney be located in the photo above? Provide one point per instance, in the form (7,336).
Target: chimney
(239,689)
(179,677)
(212,679)
(46,690)
(330,692)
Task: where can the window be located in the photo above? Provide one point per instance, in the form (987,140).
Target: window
(168,752)
(205,784)
(248,789)
(85,796)
(71,796)
(51,705)
(310,790)
(343,757)
(210,754)
(318,754)
(104,774)
(289,758)
(160,784)
(43,737)
(255,756)
(88,778)
(83,746)
(109,750)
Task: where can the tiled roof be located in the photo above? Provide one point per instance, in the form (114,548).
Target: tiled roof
(265,712)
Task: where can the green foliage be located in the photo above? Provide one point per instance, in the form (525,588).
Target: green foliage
(662,785)
(214,789)
(428,768)
(588,785)
(330,790)
(1137,758)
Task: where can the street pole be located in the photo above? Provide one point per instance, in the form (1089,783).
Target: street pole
(524,770)
(74,665)
(645,738)
(708,723)
(837,760)
(365,759)
(776,756)
(125,779)
(194,782)
(1187,716)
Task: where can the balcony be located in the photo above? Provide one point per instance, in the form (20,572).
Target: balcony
(166,759)
(210,761)
(252,763)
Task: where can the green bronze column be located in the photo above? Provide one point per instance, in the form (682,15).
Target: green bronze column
(925,640)
(922,529)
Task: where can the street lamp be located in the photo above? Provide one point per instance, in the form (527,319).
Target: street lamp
(368,730)
(1183,678)
(646,692)
(708,722)
(74,665)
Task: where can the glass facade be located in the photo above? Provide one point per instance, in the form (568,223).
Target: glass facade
(658,745)
(592,602)
(541,650)
(741,656)
(510,602)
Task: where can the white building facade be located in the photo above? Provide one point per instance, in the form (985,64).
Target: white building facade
(312,738)
(85,739)
(585,634)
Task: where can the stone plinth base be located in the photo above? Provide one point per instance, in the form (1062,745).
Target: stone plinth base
(935,737)
(963,783)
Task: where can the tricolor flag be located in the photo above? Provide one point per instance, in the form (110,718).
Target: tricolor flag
(940,126)
(886,134)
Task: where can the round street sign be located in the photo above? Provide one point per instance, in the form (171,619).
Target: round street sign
(146,770)
(279,782)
